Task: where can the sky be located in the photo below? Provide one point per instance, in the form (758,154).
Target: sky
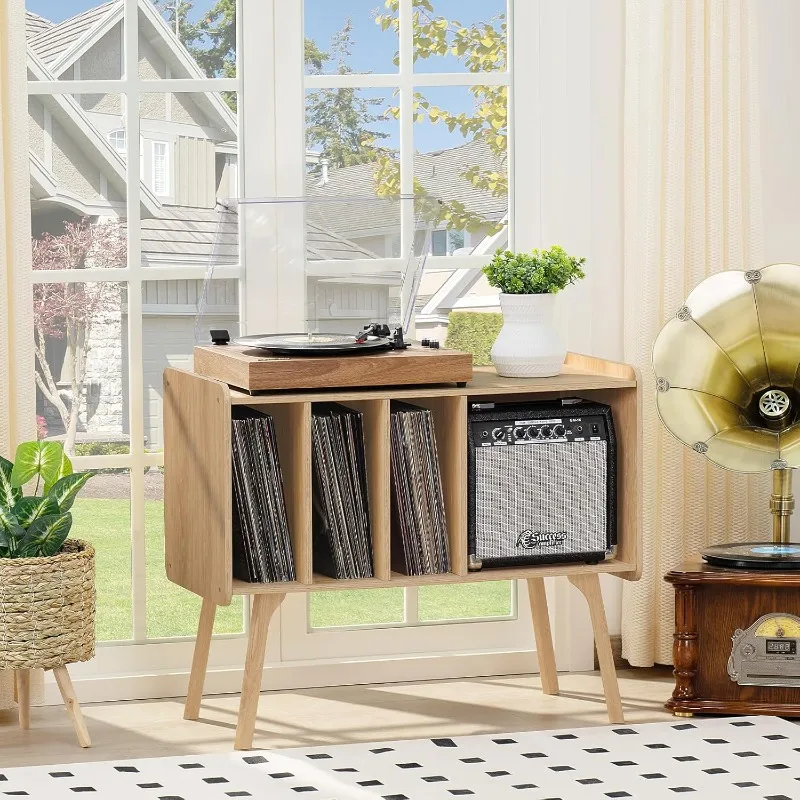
(372,52)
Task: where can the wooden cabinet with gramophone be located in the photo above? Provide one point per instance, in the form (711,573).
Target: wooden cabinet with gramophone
(728,385)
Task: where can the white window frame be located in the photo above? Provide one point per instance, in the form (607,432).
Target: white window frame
(274,300)
(155,667)
(114,138)
(271,126)
(166,191)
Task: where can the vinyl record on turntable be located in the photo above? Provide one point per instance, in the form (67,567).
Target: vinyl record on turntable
(313,344)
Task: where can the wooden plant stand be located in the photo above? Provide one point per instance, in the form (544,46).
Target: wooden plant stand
(198,503)
(22,695)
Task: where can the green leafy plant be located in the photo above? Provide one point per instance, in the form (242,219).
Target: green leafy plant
(537,272)
(37,525)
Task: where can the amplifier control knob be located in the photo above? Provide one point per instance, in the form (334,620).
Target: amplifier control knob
(559,431)
(532,432)
(519,433)
(498,434)
(546,431)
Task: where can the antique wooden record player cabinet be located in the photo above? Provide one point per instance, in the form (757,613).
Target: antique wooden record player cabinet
(737,641)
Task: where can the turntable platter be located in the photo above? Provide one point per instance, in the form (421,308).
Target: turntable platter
(313,344)
(754,555)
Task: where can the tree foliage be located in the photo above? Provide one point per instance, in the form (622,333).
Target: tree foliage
(481,47)
(70,310)
(340,121)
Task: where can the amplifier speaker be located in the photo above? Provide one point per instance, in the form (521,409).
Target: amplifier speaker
(542,483)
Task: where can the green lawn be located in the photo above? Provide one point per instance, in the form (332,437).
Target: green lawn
(172,611)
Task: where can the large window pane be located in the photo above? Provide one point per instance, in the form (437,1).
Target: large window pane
(466,601)
(347,36)
(102,515)
(187,39)
(57,33)
(461,141)
(460,36)
(171,610)
(357,607)
(81,363)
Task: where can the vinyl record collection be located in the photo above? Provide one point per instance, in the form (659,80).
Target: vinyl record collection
(418,514)
(262,550)
(341,527)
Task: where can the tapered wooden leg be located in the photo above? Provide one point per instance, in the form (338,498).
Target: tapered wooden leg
(73,707)
(264,606)
(544,638)
(197,677)
(22,678)
(589,585)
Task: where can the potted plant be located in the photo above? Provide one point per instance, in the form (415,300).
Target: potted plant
(47,582)
(528,345)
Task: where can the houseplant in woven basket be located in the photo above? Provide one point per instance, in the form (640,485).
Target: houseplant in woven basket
(528,345)
(47,582)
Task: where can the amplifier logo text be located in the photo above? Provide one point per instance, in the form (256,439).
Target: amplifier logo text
(531,539)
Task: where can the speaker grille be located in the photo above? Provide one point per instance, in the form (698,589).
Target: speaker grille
(545,499)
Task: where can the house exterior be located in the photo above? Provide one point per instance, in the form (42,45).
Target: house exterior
(188,146)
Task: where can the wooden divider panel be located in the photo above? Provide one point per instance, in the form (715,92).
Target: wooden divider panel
(197,485)
(293,427)
(376,444)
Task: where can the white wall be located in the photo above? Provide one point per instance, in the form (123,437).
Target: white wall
(779,26)
(581,67)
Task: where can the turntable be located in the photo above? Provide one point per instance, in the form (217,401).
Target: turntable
(299,361)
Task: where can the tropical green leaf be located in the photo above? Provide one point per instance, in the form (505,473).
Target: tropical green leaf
(11,534)
(29,509)
(46,535)
(65,489)
(64,469)
(36,458)
(8,494)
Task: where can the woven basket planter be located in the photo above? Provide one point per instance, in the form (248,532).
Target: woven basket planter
(47,608)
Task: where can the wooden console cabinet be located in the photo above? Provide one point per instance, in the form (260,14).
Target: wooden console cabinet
(198,502)
(710,604)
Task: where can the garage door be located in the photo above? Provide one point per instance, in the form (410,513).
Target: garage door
(168,341)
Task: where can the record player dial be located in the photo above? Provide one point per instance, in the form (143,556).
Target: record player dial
(779,627)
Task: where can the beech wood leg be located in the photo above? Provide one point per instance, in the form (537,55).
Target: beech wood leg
(197,677)
(73,707)
(22,682)
(264,606)
(589,586)
(544,637)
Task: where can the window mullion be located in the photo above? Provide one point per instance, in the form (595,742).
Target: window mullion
(135,361)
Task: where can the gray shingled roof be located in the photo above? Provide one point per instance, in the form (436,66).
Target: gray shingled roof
(52,42)
(198,235)
(34,24)
(440,172)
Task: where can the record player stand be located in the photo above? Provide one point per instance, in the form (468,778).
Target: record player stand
(198,505)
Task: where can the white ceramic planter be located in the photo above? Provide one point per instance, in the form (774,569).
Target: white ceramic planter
(528,345)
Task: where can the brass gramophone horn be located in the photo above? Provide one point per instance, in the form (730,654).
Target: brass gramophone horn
(728,386)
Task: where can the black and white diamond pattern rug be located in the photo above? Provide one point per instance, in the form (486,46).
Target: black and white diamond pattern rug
(730,758)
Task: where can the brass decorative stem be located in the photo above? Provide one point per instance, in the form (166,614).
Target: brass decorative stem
(781,504)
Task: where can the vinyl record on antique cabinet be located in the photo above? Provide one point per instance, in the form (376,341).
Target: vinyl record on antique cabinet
(754,555)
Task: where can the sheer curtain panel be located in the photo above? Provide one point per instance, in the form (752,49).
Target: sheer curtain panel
(17,393)
(692,208)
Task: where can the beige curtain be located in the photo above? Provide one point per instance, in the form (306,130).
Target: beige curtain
(692,208)
(17,399)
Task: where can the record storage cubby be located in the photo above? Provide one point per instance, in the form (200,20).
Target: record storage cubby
(198,476)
